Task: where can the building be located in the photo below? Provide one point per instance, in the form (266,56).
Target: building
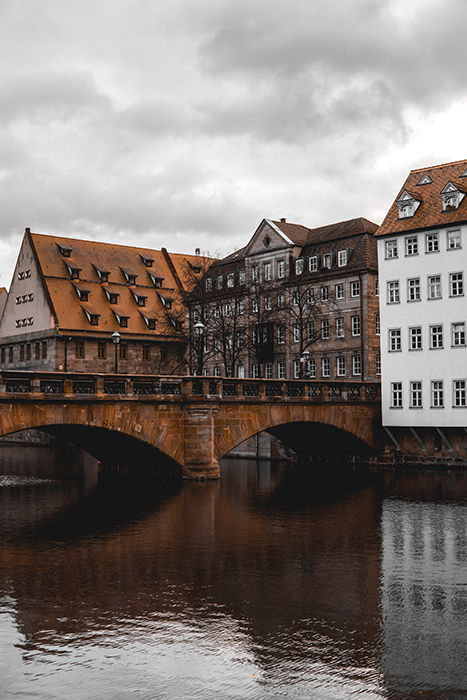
(294,302)
(70,300)
(422,251)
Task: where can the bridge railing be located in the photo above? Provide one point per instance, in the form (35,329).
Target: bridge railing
(163,387)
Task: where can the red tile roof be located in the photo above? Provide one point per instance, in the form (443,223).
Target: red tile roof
(429,213)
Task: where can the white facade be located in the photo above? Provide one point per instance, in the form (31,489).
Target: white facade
(423,312)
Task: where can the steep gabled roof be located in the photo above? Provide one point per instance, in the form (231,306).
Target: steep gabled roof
(430,212)
(177,270)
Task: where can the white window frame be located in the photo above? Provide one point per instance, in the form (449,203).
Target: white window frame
(454,239)
(436,336)
(313,263)
(339,291)
(325,329)
(437,393)
(355,289)
(459,393)
(416,394)
(325,367)
(391,249)
(414,292)
(415,338)
(432,242)
(356,365)
(356,325)
(411,246)
(342,258)
(340,328)
(393,292)
(458,334)
(456,284)
(435,290)
(394,340)
(396,395)
(281,369)
(340,366)
(299,266)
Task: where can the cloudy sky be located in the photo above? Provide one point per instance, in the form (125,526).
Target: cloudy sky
(182,123)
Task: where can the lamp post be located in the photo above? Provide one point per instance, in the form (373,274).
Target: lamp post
(115,341)
(199,328)
(304,359)
(65,358)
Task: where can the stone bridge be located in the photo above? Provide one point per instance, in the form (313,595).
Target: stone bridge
(188,421)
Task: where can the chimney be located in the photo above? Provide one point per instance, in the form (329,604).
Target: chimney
(27,230)
(284,220)
(197,251)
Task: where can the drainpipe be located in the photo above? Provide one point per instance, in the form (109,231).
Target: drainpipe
(362,342)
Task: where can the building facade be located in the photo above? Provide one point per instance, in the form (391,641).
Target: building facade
(294,302)
(422,251)
(84,306)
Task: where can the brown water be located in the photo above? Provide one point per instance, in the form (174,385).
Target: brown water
(274,582)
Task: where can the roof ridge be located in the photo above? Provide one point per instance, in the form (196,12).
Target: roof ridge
(440,165)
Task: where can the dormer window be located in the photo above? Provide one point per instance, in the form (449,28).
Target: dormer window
(342,258)
(73,272)
(451,197)
(220,282)
(83,294)
(150,322)
(176,324)
(166,301)
(196,268)
(230,280)
(129,276)
(140,300)
(64,250)
(122,320)
(299,265)
(147,262)
(327,260)
(157,281)
(111,296)
(102,274)
(464,174)
(208,284)
(92,317)
(425,180)
(407,205)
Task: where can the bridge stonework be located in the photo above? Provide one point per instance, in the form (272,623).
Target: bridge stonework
(192,422)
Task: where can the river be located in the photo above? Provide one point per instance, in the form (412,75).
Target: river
(278,581)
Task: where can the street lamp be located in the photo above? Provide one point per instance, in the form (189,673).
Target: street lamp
(115,341)
(304,362)
(199,329)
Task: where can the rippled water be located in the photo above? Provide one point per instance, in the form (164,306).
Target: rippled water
(277,581)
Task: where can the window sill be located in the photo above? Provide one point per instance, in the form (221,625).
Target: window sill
(464,406)
(436,408)
(416,408)
(411,301)
(441,348)
(431,252)
(410,255)
(396,408)
(457,347)
(455,296)
(415,349)
(433,298)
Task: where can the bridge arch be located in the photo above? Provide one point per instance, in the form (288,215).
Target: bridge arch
(356,425)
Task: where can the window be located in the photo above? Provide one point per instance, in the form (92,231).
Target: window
(325,293)
(356,364)
(451,197)
(10,354)
(395,343)
(299,266)
(325,367)
(310,295)
(296,369)
(437,394)
(44,349)
(296,333)
(123,351)
(407,205)
(339,327)
(390,248)
(281,369)
(140,300)
(268,370)
(327,261)
(413,289)
(280,301)
(411,245)
(342,258)
(242,277)
(310,330)
(79,349)
(339,291)
(454,241)
(434,287)
(254,370)
(129,276)
(28,351)
(311,368)
(83,294)
(436,337)
(340,366)
(393,292)
(377,325)
(280,335)
(220,282)
(355,289)
(37,350)
(356,325)
(147,262)
(101,351)
(458,393)
(458,334)
(267,271)
(92,317)
(415,395)
(325,328)
(295,298)
(73,272)
(64,250)
(396,395)
(267,303)
(254,273)
(21,353)
(415,338)
(281,269)
(456,284)
(230,280)
(432,242)
(157,282)
(254,306)
(313,263)
(146,350)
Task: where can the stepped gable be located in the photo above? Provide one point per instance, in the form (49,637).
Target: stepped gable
(429,213)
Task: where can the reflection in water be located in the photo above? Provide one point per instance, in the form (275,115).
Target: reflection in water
(268,583)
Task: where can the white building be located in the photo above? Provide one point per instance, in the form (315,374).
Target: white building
(422,254)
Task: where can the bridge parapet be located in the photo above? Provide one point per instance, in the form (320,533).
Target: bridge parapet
(182,388)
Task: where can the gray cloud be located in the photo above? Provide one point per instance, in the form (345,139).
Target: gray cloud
(184,123)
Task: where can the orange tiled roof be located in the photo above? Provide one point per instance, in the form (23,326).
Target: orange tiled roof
(177,271)
(429,213)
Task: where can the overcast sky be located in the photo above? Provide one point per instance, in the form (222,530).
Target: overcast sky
(182,123)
